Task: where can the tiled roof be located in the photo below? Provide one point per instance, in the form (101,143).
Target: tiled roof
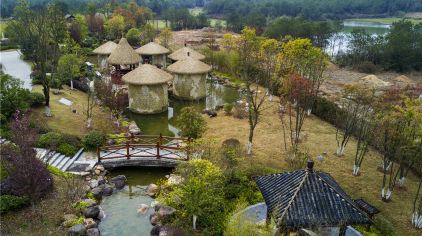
(306,198)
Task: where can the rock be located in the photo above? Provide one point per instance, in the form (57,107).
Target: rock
(107,190)
(100,168)
(143,209)
(88,178)
(111,142)
(101,180)
(119,181)
(90,223)
(101,215)
(133,128)
(210,113)
(151,190)
(77,230)
(90,202)
(170,231)
(93,232)
(166,211)
(157,206)
(155,231)
(93,183)
(97,172)
(98,191)
(174,179)
(91,212)
(153,219)
(68,220)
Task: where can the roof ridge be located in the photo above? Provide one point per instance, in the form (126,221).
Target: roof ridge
(295,194)
(351,202)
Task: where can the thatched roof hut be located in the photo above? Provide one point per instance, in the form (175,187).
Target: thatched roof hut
(182,54)
(106,48)
(189,78)
(123,54)
(147,89)
(189,66)
(147,74)
(152,48)
(153,53)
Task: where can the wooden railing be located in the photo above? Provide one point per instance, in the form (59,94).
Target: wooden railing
(156,146)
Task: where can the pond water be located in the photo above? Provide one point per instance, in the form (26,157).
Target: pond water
(121,208)
(13,65)
(340,43)
(165,123)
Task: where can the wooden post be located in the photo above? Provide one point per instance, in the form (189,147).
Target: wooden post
(127,150)
(98,155)
(132,137)
(158,150)
(161,139)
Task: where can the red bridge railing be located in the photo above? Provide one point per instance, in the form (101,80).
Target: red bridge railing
(151,146)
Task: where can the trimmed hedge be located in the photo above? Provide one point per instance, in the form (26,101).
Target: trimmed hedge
(11,202)
(37,99)
(93,140)
(50,139)
(67,149)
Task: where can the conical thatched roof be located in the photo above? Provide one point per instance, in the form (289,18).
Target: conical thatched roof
(371,81)
(123,54)
(182,54)
(147,74)
(152,48)
(106,48)
(189,66)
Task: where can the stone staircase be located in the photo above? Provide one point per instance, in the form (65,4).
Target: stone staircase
(56,159)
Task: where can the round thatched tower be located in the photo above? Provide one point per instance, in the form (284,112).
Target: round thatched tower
(103,52)
(154,54)
(189,78)
(148,89)
(124,59)
(182,54)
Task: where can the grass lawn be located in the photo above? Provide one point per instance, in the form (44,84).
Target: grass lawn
(319,137)
(384,20)
(44,220)
(160,24)
(64,120)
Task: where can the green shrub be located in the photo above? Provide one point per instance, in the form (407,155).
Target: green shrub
(10,202)
(49,140)
(77,221)
(37,99)
(90,195)
(57,172)
(191,123)
(384,226)
(367,67)
(67,149)
(80,205)
(228,107)
(93,140)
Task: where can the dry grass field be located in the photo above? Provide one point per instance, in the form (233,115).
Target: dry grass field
(319,137)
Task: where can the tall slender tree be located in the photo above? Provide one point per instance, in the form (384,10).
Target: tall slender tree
(39,32)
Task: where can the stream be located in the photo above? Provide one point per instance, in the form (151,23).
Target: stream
(13,65)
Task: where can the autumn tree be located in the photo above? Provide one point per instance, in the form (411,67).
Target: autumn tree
(115,26)
(166,36)
(248,48)
(269,50)
(147,34)
(39,33)
(300,67)
(112,98)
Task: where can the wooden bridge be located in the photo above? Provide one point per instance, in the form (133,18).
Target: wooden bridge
(144,150)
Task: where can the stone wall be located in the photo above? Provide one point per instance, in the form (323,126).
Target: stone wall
(189,87)
(148,99)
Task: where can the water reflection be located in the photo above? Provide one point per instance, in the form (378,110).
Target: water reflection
(165,123)
(13,65)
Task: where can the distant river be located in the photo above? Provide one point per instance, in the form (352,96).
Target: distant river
(340,42)
(14,65)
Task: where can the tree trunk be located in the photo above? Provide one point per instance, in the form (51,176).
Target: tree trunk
(401,181)
(194,217)
(89,123)
(46,91)
(386,195)
(356,169)
(340,150)
(417,220)
(249,146)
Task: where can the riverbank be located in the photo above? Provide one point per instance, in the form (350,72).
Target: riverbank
(319,137)
(387,21)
